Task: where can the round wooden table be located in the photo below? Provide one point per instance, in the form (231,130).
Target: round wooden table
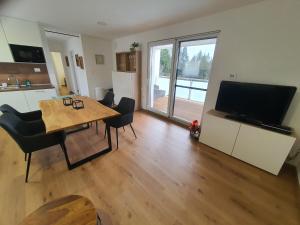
(70,210)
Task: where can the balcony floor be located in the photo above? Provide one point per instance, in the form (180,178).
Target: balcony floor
(184,109)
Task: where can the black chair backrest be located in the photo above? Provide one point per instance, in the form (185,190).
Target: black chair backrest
(15,127)
(108,99)
(8,109)
(126,106)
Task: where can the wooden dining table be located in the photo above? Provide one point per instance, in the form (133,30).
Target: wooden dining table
(58,117)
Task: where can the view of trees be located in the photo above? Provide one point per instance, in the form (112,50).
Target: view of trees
(165,62)
(198,67)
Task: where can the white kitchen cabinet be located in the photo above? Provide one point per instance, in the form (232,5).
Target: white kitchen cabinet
(15,99)
(34,96)
(126,84)
(27,100)
(5,53)
(21,32)
(262,148)
(219,133)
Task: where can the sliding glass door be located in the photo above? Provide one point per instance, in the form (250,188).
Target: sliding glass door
(160,73)
(192,74)
(178,76)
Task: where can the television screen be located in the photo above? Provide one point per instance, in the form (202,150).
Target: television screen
(264,103)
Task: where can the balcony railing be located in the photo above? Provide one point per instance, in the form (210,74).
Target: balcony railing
(186,88)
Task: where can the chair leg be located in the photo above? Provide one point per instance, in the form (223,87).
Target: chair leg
(63,147)
(97,128)
(105,132)
(99,221)
(117,135)
(25,157)
(28,167)
(132,130)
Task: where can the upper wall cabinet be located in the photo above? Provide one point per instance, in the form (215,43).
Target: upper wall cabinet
(128,61)
(21,32)
(5,54)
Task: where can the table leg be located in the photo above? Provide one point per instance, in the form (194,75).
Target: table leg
(94,156)
(99,222)
(97,130)
(107,128)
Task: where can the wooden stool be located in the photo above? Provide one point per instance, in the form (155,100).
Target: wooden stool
(70,210)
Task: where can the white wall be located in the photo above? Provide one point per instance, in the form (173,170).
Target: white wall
(73,46)
(56,45)
(49,63)
(92,75)
(97,75)
(259,42)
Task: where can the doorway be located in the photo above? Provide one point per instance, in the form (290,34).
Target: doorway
(60,73)
(179,72)
(160,71)
(64,48)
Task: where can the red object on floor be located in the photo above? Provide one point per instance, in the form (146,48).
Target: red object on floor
(195,129)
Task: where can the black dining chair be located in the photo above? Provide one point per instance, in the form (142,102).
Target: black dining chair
(108,101)
(31,136)
(29,116)
(126,109)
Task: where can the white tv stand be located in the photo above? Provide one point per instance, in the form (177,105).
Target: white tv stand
(259,147)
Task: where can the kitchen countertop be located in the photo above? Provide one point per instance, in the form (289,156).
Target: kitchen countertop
(32,87)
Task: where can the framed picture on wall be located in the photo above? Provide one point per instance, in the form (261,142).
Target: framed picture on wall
(99,59)
(67,61)
(77,60)
(81,62)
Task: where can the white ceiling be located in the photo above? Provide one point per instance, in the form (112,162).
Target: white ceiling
(121,17)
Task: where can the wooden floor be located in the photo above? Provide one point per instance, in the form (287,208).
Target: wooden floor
(163,177)
(184,109)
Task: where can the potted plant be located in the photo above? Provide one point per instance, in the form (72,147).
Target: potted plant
(134,46)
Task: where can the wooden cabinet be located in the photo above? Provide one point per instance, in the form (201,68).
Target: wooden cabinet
(262,148)
(21,32)
(5,53)
(127,78)
(259,147)
(219,133)
(15,99)
(128,61)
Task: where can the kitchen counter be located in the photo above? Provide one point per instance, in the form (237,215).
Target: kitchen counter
(32,87)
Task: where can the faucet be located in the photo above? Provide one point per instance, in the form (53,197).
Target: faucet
(12,80)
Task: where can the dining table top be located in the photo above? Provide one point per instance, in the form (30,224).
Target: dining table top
(57,116)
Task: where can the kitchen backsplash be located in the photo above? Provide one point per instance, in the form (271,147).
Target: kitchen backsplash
(36,73)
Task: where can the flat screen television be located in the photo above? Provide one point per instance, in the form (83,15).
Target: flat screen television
(259,103)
